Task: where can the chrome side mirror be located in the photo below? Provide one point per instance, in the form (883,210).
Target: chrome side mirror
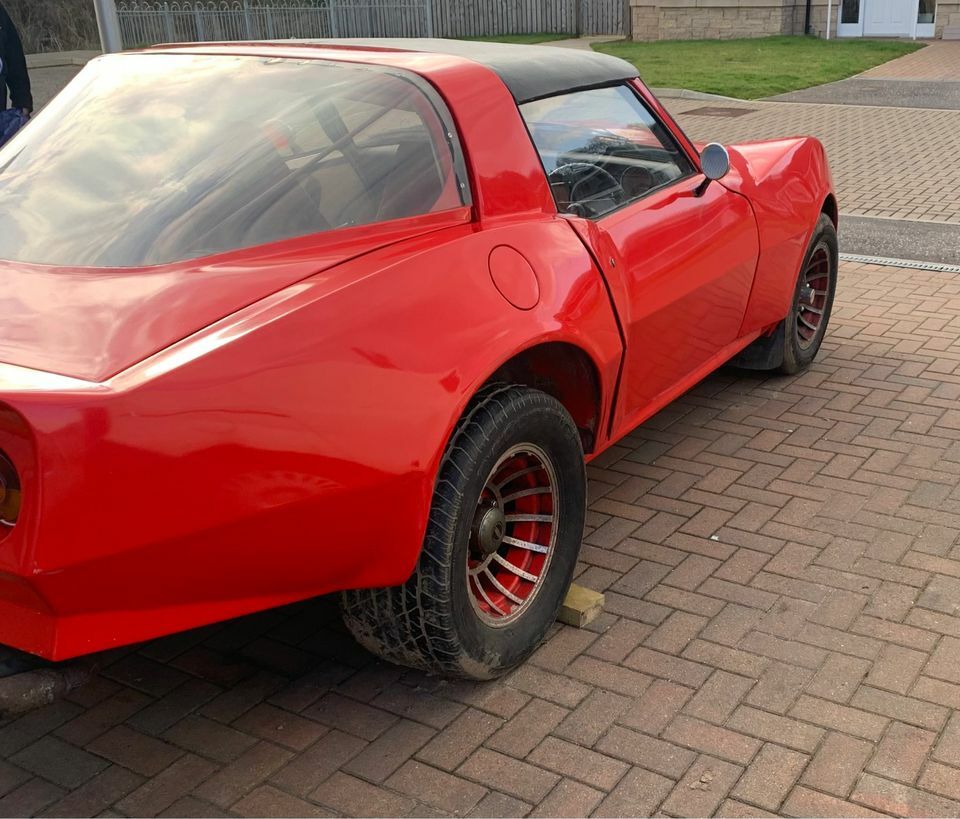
(714,161)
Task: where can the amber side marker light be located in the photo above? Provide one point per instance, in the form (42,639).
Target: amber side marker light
(9,494)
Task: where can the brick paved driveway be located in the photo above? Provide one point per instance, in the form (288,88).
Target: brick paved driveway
(886,162)
(782,633)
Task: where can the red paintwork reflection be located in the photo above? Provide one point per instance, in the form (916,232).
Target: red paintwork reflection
(203,440)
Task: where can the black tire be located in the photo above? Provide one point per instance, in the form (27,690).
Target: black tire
(800,342)
(434,620)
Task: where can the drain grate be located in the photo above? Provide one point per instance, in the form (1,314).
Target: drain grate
(880,260)
(716,111)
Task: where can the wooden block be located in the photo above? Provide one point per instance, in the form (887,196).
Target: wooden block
(581,606)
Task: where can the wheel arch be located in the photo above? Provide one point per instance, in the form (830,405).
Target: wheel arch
(564,371)
(830,208)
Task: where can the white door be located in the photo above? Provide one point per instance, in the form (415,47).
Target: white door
(889,18)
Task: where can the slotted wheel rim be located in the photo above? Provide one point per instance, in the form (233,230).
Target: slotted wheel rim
(813,297)
(513,536)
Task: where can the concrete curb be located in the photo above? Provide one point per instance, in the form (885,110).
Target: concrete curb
(687,94)
(60,59)
(30,690)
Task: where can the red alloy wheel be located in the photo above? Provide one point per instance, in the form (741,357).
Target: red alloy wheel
(513,535)
(813,297)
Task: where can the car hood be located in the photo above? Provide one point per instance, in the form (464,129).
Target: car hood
(91,324)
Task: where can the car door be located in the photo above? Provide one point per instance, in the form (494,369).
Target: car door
(679,256)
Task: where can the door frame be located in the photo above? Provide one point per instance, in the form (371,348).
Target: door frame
(917,30)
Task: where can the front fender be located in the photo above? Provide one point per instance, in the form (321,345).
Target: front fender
(787,182)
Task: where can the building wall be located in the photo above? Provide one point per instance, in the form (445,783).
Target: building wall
(728,19)
(948,14)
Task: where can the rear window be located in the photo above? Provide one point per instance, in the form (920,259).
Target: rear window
(147,159)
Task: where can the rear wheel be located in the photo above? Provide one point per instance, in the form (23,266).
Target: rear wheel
(501,544)
(812,304)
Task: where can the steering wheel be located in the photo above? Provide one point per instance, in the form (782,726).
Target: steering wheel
(587,183)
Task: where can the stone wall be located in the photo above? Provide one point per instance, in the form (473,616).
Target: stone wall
(948,14)
(728,19)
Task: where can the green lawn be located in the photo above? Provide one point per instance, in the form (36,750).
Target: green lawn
(522,39)
(749,69)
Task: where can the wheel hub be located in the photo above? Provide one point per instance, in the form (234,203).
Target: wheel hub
(807,294)
(489,528)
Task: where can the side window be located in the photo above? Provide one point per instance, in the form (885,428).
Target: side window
(602,149)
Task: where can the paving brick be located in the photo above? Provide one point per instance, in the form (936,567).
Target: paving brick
(668,667)
(161,791)
(30,798)
(508,775)
(496,805)
(901,800)
(711,739)
(905,709)
(336,711)
(771,776)
(302,774)
(569,798)
(190,808)
(941,780)
(448,793)
(267,801)
(138,752)
(896,668)
(806,802)
(353,797)
(96,795)
(730,659)
(718,697)
(948,744)
(622,638)
(902,752)
(702,788)
(838,678)
(524,732)
(59,762)
(572,761)
(837,764)
(776,728)
(389,751)
(638,794)
(103,716)
(457,741)
(778,687)
(839,717)
(658,705)
(676,632)
(281,727)
(539,683)
(609,676)
(591,719)
(243,774)
(653,754)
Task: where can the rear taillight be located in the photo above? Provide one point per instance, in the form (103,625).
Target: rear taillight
(9,495)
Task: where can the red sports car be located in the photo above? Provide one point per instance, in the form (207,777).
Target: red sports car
(283,319)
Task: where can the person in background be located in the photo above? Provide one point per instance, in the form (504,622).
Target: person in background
(13,68)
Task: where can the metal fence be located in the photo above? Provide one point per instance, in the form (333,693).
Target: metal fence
(144,22)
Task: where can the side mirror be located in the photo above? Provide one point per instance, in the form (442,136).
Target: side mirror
(714,161)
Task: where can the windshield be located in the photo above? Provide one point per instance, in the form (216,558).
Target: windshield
(147,159)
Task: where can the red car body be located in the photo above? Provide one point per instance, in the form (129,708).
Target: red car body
(201,439)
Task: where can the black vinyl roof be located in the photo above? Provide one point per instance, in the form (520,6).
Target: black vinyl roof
(529,71)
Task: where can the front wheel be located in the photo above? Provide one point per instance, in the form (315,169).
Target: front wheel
(501,544)
(812,303)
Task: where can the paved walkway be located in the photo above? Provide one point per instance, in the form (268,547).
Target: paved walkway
(940,60)
(928,78)
(887,162)
(782,633)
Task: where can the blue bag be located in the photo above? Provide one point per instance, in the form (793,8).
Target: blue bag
(11,121)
